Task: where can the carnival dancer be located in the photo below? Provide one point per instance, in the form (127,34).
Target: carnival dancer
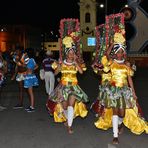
(121,95)
(99,66)
(100,69)
(120,102)
(68,97)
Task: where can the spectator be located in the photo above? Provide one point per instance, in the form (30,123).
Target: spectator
(48,72)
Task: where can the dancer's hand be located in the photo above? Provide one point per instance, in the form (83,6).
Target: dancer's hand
(135,97)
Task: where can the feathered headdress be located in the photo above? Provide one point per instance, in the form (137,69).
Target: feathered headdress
(70,38)
(115,31)
(69,35)
(101,43)
(69,44)
(119,38)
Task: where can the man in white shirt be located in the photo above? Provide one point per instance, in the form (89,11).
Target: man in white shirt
(49,72)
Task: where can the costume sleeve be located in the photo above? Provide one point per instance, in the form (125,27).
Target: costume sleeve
(130,72)
(106,64)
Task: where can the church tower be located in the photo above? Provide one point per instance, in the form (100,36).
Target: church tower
(88,18)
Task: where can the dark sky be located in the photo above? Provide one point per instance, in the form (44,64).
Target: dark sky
(47,13)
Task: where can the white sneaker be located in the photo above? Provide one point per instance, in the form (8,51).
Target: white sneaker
(30,109)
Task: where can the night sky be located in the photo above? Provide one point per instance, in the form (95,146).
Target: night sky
(46,14)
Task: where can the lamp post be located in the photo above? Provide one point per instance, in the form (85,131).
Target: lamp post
(101,12)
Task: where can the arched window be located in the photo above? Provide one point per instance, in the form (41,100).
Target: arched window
(87,18)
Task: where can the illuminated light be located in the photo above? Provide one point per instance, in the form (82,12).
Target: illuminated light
(101,5)
(51,32)
(126,5)
(91,41)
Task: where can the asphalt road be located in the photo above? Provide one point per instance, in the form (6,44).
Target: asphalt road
(19,129)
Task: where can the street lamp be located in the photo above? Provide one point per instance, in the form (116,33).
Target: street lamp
(101,13)
(101,5)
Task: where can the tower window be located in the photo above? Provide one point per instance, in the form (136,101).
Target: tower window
(87,18)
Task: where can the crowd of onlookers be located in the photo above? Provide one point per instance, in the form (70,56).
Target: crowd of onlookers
(23,66)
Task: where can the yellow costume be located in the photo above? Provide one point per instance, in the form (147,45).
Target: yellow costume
(96,106)
(105,75)
(69,74)
(121,96)
(68,86)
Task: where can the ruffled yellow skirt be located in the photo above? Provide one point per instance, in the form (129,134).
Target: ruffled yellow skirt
(79,110)
(131,120)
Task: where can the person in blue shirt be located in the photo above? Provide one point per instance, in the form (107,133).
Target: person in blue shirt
(30,80)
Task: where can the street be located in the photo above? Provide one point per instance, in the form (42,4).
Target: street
(19,129)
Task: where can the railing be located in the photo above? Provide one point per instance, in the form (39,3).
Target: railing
(137,55)
(140,60)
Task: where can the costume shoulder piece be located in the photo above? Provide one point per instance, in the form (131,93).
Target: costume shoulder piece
(99,53)
(100,43)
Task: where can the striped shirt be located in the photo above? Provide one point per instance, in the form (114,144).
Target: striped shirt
(47,62)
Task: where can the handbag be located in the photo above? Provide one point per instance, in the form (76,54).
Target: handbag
(42,74)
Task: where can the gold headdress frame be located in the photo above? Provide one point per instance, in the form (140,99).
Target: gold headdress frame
(70,38)
(112,31)
(101,44)
(115,29)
